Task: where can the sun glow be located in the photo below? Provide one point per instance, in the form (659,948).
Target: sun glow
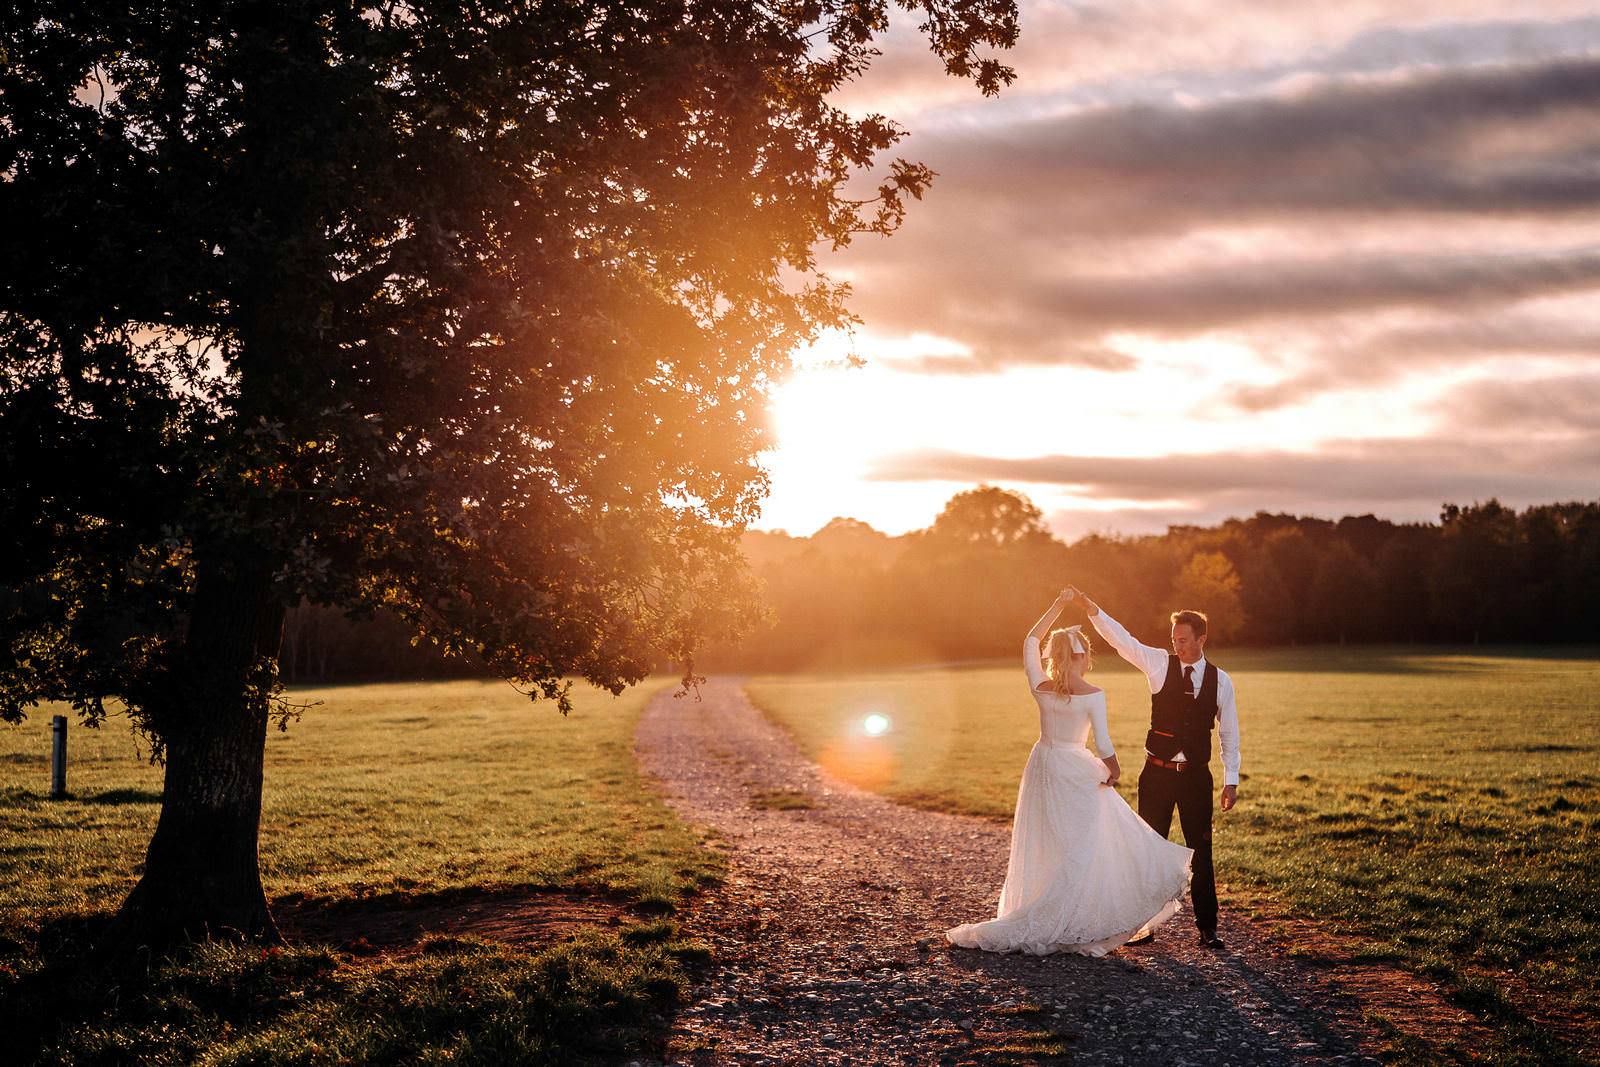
(833,421)
(837,422)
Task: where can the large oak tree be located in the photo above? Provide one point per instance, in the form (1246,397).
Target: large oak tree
(469,310)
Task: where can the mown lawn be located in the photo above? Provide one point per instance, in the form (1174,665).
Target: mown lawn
(380,792)
(1441,807)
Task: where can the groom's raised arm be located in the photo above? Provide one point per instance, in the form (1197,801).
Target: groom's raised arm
(1152,661)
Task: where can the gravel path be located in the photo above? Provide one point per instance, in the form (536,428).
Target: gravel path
(828,944)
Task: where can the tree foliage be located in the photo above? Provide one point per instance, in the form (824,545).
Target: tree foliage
(1209,579)
(1344,596)
(988,516)
(468,313)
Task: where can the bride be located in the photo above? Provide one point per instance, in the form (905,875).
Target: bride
(1086,874)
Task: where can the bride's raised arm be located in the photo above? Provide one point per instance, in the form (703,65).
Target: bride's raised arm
(1042,627)
(1032,660)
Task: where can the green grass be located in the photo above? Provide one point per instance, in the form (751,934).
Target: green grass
(382,791)
(380,788)
(1443,807)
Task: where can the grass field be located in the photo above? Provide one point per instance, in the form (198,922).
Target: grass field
(1442,808)
(382,791)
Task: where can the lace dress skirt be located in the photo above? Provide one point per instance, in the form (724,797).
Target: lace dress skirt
(1086,874)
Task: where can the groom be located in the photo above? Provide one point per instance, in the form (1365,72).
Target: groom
(1188,698)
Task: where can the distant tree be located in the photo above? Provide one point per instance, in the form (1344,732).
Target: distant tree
(324,644)
(1472,576)
(1208,583)
(1583,589)
(470,312)
(1542,561)
(968,579)
(988,516)
(1294,557)
(1402,567)
(1365,534)
(1106,565)
(1343,602)
(851,537)
(1268,611)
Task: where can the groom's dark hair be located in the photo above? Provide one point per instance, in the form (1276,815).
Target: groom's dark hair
(1195,620)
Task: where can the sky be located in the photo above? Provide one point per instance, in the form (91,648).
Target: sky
(1207,259)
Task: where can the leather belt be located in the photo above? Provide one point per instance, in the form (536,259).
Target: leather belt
(1168,764)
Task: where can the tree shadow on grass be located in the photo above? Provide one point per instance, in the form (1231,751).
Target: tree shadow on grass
(398,921)
(122,796)
(16,797)
(590,997)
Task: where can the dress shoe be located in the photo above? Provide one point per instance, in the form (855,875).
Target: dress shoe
(1209,939)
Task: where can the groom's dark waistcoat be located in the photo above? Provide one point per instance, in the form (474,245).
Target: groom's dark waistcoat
(1179,722)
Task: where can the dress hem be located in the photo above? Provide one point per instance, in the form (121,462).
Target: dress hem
(967,935)
(958,938)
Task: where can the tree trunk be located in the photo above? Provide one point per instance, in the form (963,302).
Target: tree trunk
(202,878)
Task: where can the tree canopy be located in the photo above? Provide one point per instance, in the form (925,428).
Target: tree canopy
(468,312)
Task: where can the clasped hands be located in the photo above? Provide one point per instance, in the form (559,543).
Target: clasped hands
(1073,595)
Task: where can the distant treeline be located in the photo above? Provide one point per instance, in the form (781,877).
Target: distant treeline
(322,644)
(969,586)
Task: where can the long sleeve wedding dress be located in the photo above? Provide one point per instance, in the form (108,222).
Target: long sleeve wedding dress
(1085,874)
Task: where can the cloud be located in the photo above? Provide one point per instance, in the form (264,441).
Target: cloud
(1235,294)
(1114,52)
(1329,197)
(1502,139)
(1372,472)
(1385,356)
(1560,404)
(995,357)
(1036,310)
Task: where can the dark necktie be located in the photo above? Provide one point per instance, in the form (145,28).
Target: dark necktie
(1188,679)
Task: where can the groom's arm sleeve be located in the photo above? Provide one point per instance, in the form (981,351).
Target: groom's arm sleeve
(1228,733)
(1152,661)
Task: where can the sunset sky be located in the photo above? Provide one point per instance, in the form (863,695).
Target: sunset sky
(1205,259)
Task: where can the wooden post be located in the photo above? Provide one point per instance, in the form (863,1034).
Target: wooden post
(58,758)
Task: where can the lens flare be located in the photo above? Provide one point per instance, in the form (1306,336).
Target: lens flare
(875,725)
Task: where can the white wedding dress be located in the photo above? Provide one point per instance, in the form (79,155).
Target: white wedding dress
(1086,873)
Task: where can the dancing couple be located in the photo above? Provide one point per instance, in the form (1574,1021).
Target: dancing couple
(1086,874)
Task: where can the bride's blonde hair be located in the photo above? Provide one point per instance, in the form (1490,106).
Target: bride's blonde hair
(1058,655)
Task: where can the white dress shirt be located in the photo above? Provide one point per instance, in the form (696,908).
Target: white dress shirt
(1153,662)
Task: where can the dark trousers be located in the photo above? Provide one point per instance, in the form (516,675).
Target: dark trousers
(1160,790)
